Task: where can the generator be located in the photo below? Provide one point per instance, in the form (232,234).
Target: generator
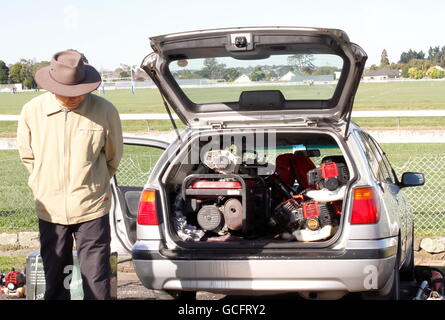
(35,277)
(222,203)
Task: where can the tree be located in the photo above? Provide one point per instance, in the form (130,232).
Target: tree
(282,70)
(187,74)
(437,55)
(384,61)
(395,66)
(406,57)
(29,83)
(420,64)
(15,73)
(302,62)
(325,70)
(4,73)
(415,73)
(271,75)
(231,74)
(23,72)
(257,74)
(39,65)
(124,71)
(435,73)
(124,74)
(212,69)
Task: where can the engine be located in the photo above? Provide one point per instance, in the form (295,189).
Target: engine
(329,175)
(222,161)
(315,213)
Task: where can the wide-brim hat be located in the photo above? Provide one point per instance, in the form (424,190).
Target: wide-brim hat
(67,75)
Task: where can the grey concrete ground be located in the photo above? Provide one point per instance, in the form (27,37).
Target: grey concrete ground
(130,288)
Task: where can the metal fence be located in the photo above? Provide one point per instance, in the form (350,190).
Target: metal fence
(427,202)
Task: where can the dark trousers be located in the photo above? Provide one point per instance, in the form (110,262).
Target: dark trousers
(93,251)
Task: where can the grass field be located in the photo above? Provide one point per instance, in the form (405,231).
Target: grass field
(370,96)
(425,95)
(12,261)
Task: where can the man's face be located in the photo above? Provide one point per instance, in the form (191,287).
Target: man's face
(70,102)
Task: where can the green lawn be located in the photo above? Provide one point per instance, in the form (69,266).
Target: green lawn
(144,101)
(13,261)
(16,200)
(425,95)
(427,202)
(405,151)
(410,95)
(370,96)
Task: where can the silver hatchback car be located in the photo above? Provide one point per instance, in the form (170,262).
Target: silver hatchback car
(270,188)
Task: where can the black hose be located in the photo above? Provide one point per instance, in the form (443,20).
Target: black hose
(125,260)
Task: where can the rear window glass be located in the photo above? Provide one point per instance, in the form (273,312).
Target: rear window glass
(222,79)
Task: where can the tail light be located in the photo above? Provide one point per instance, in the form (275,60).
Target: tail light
(147,214)
(365,208)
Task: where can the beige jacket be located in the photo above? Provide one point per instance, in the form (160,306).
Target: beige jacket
(70,156)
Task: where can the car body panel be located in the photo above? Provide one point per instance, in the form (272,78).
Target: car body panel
(253,275)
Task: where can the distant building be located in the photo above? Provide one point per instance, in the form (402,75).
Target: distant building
(288,76)
(140,75)
(12,87)
(337,75)
(384,73)
(298,77)
(108,75)
(242,79)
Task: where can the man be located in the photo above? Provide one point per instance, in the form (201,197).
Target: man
(71,143)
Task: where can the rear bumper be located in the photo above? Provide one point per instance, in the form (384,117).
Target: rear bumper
(353,270)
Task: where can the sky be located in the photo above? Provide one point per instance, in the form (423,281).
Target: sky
(113,32)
